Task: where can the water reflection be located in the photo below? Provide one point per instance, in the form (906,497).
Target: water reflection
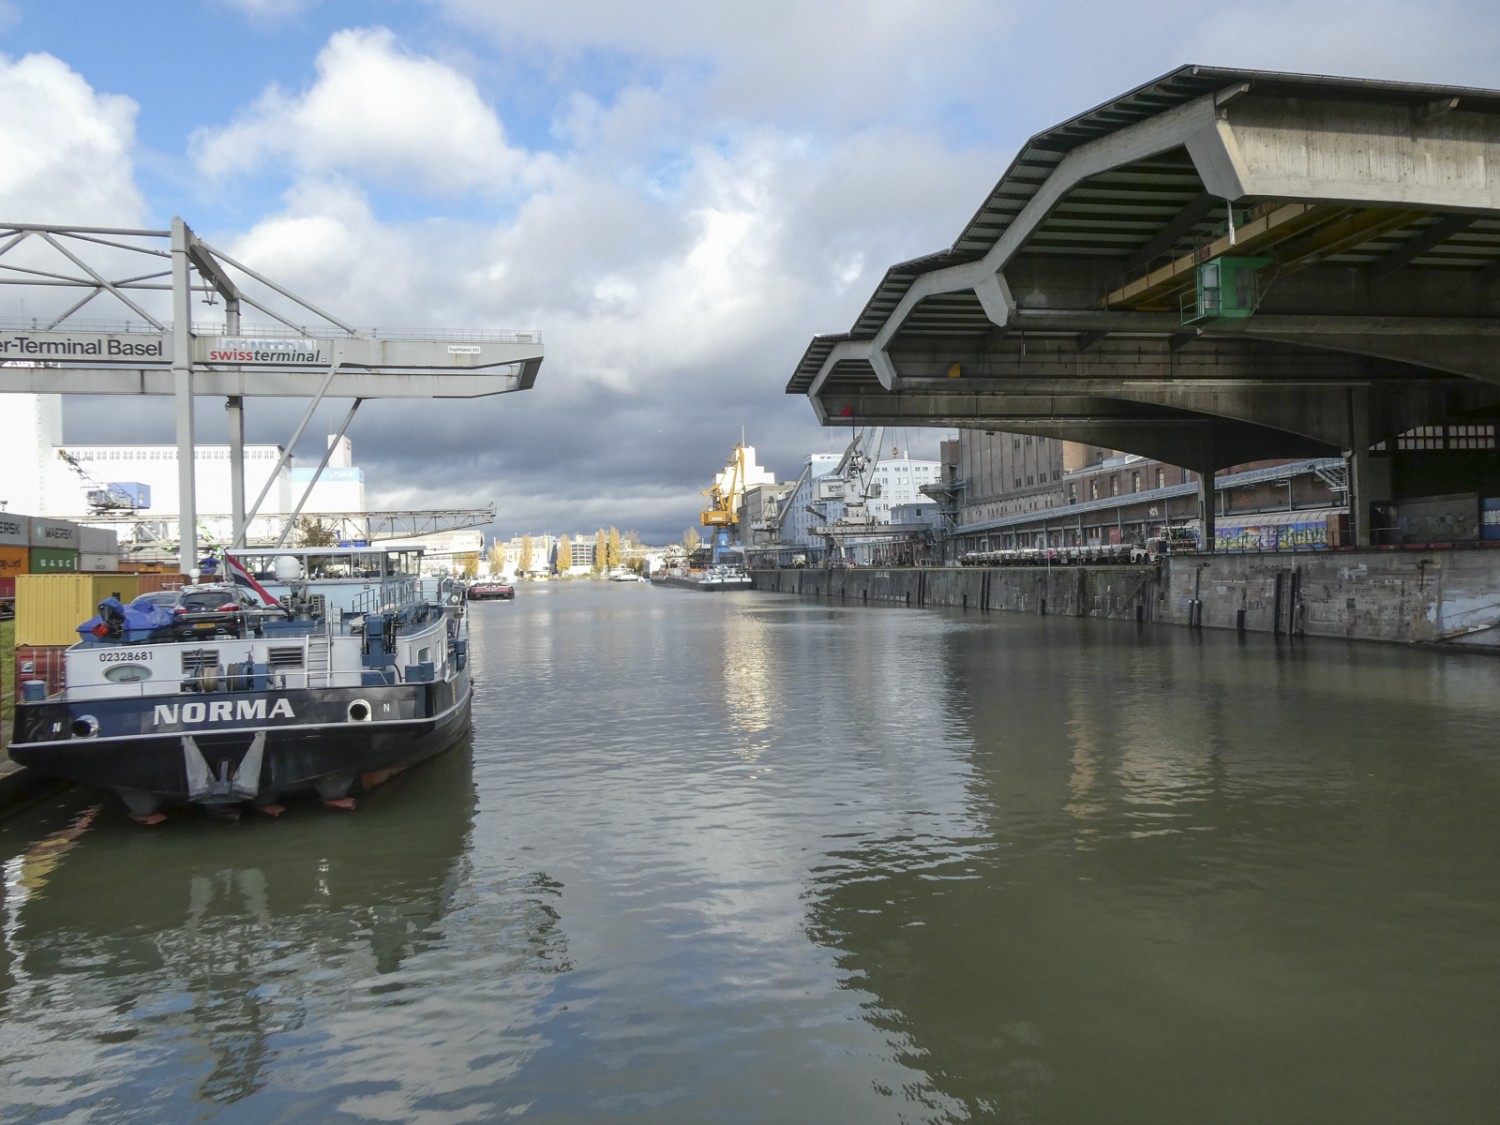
(235,948)
(767,859)
(749,685)
(1163,884)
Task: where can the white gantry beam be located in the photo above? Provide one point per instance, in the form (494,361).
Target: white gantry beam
(154,279)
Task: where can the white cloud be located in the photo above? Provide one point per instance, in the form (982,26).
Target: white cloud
(374,111)
(1447,42)
(67,149)
(838,61)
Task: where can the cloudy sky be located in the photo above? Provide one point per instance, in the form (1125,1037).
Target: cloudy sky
(678,195)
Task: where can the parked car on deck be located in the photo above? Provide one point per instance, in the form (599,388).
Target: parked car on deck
(205,610)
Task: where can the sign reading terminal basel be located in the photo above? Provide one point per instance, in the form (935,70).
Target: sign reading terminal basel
(118,347)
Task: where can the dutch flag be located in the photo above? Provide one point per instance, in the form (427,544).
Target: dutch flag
(246,581)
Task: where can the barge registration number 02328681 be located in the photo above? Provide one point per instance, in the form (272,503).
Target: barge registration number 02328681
(132,657)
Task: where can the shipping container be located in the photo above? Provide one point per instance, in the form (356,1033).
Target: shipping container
(54,533)
(39,662)
(1338,530)
(107,560)
(51,560)
(153,580)
(13,561)
(15,531)
(98,541)
(50,607)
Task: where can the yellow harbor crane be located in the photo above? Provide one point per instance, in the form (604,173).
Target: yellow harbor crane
(727,492)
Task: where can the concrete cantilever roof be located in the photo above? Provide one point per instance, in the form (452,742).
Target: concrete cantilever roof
(1150,176)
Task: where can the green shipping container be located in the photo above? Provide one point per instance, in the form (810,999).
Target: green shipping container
(53,560)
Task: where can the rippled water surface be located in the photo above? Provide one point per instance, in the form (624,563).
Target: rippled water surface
(744,858)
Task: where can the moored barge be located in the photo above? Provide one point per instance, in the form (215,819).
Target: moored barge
(341,672)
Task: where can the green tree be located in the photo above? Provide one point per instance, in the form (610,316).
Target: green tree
(600,545)
(613,554)
(564,555)
(313,532)
(523,564)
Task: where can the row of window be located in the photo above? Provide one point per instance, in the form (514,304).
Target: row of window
(1448,437)
(170,454)
(1114,485)
(1032,479)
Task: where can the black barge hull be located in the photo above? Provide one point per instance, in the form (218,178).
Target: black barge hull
(241,747)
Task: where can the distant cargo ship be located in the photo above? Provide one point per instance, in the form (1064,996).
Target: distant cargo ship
(727,573)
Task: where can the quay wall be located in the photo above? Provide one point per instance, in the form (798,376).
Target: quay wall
(1435,596)
(1125,592)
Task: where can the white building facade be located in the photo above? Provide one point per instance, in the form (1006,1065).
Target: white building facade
(43,474)
(30,432)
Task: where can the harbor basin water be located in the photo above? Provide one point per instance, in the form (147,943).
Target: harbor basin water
(747,858)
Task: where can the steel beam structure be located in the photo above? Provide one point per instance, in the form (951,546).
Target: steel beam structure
(348,526)
(151,280)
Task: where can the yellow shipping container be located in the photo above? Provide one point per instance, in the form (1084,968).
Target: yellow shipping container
(50,607)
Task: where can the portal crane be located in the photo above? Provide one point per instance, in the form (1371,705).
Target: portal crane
(853,484)
(727,493)
(112,497)
(772,525)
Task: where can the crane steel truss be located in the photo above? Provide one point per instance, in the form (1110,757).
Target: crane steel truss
(152,278)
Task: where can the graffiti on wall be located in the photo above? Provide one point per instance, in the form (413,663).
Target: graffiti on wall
(1311,535)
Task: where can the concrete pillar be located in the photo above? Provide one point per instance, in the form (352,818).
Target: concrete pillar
(1369,476)
(1207,500)
(235,406)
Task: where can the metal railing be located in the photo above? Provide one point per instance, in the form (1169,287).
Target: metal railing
(391,595)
